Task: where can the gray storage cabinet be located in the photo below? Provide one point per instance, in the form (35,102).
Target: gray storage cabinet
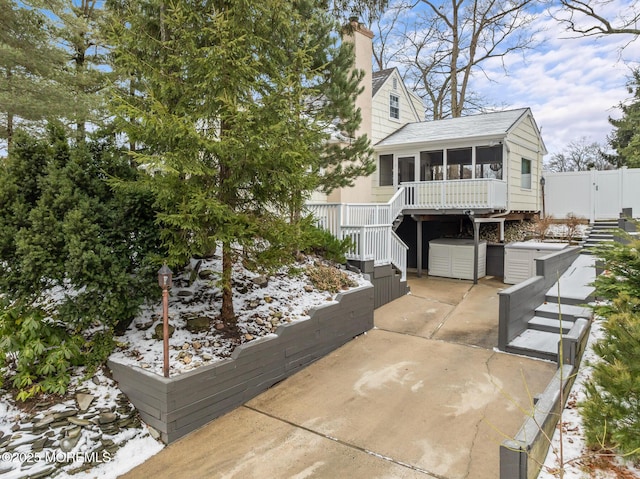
(453,258)
(519,259)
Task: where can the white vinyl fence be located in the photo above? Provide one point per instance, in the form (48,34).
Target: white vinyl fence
(595,195)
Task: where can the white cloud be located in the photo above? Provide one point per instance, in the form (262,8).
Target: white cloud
(573,85)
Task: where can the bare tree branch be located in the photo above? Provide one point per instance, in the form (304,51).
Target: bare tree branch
(444,43)
(587,18)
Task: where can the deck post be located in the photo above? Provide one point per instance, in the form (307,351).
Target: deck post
(476,244)
(419,249)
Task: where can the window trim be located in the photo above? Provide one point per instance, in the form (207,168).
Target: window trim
(388,170)
(526,185)
(394,109)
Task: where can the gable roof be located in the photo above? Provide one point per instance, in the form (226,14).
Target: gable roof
(496,124)
(379,78)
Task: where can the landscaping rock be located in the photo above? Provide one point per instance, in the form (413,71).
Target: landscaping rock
(159,331)
(68,443)
(206,274)
(261,281)
(198,324)
(107,417)
(84,401)
(145,325)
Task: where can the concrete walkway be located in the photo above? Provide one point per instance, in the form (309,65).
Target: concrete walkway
(423,395)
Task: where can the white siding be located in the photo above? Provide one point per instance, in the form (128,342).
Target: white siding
(522,142)
(382,125)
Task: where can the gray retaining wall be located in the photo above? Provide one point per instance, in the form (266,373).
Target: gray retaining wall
(386,281)
(178,405)
(518,302)
(522,457)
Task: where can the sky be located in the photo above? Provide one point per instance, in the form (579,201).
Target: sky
(572,85)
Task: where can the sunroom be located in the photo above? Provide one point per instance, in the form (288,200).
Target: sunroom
(441,179)
(484,163)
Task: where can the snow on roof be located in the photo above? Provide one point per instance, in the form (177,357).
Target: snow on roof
(486,124)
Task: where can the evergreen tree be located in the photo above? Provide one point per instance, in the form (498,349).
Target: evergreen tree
(233,113)
(32,76)
(77,30)
(611,410)
(70,231)
(625,139)
(19,189)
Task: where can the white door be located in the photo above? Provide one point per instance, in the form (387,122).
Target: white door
(606,194)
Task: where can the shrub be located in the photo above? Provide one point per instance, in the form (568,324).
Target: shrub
(611,410)
(329,278)
(572,222)
(71,231)
(322,243)
(37,348)
(541,227)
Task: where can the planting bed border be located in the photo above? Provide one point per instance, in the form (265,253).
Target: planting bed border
(178,405)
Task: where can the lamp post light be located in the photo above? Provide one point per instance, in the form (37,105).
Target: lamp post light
(164,280)
(542,182)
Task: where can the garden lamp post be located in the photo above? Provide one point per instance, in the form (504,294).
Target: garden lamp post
(164,280)
(542,182)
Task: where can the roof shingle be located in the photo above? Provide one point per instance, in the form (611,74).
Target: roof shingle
(485,124)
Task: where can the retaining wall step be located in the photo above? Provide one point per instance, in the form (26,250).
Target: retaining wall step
(598,241)
(549,325)
(569,312)
(538,344)
(578,300)
(594,236)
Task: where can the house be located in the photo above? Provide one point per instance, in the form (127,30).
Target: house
(433,178)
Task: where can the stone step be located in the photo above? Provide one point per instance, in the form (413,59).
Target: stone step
(593,244)
(537,344)
(576,300)
(549,325)
(569,312)
(603,236)
(573,286)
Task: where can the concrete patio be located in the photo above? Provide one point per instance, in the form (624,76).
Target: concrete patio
(423,395)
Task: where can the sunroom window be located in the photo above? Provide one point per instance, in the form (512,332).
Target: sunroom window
(385,170)
(431,165)
(406,169)
(489,162)
(459,164)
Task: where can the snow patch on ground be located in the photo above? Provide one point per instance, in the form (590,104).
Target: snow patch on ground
(576,456)
(287,297)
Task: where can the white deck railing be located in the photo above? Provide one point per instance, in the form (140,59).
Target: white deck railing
(399,255)
(369,225)
(483,193)
(370,243)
